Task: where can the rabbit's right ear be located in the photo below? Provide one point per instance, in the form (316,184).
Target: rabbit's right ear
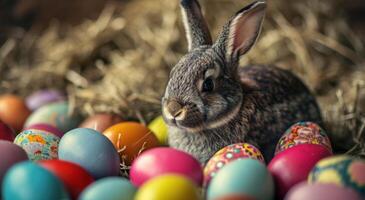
(196,28)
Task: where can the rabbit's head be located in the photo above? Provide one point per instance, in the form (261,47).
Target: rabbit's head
(204,90)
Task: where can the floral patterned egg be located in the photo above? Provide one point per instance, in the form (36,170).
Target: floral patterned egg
(39,145)
(341,170)
(303,133)
(228,154)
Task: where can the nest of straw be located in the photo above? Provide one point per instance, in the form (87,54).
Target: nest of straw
(119,63)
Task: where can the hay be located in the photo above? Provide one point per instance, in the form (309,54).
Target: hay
(120,62)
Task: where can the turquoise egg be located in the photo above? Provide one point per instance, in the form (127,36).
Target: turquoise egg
(55,114)
(246,177)
(109,189)
(27,180)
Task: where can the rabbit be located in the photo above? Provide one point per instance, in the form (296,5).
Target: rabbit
(211,102)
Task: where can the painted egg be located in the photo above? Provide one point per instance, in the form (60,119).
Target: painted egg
(43,97)
(247,177)
(45,127)
(303,133)
(165,160)
(13,111)
(169,186)
(73,176)
(6,133)
(159,128)
(39,145)
(130,139)
(100,122)
(55,114)
(293,165)
(27,180)
(109,188)
(228,154)
(341,170)
(91,150)
(318,191)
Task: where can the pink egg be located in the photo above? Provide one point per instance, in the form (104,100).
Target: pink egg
(45,127)
(293,165)
(304,191)
(164,160)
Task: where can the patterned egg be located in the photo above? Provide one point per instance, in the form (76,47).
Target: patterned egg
(39,145)
(45,127)
(341,170)
(303,133)
(229,154)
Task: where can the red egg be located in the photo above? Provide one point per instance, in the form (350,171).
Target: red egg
(6,133)
(74,177)
(294,164)
(45,127)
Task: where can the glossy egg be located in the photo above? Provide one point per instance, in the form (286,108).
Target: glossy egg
(39,145)
(303,133)
(293,165)
(159,128)
(109,188)
(43,97)
(74,177)
(27,180)
(45,127)
(169,186)
(100,122)
(341,170)
(130,138)
(13,111)
(304,191)
(55,114)
(229,154)
(6,133)
(91,150)
(248,177)
(164,160)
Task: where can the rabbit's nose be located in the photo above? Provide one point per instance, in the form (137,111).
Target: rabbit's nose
(175,109)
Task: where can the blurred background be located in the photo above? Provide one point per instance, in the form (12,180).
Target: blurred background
(115,56)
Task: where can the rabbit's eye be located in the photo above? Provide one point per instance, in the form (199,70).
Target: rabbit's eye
(208,85)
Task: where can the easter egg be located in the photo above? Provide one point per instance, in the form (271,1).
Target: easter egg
(91,150)
(235,197)
(39,145)
(45,127)
(293,165)
(164,160)
(100,122)
(109,188)
(303,133)
(74,177)
(341,170)
(27,180)
(304,191)
(6,133)
(13,111)
(248,177)
(228,154)
(159,128)
(55,114)
(130,139)
(43,97)
(169,186)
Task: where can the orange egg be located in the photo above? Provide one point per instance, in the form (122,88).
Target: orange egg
(130,139)
(101,121)
(13,111)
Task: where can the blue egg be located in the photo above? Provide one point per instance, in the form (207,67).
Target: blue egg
(91,150)
(109,189)
(27,181)
(247,176)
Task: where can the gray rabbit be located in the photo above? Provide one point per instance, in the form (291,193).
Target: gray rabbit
(210,102)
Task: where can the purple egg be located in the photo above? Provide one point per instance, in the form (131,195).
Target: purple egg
(43,97)
(45,127)
(319,191)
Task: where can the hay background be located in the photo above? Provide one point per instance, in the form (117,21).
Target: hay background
(118,61)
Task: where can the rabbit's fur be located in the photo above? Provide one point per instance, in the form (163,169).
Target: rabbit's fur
(253,104)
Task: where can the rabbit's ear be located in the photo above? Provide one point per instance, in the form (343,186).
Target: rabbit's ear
(196,28)
(241,32)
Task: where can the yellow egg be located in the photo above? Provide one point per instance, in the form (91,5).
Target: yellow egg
(168,187)
(159,128)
